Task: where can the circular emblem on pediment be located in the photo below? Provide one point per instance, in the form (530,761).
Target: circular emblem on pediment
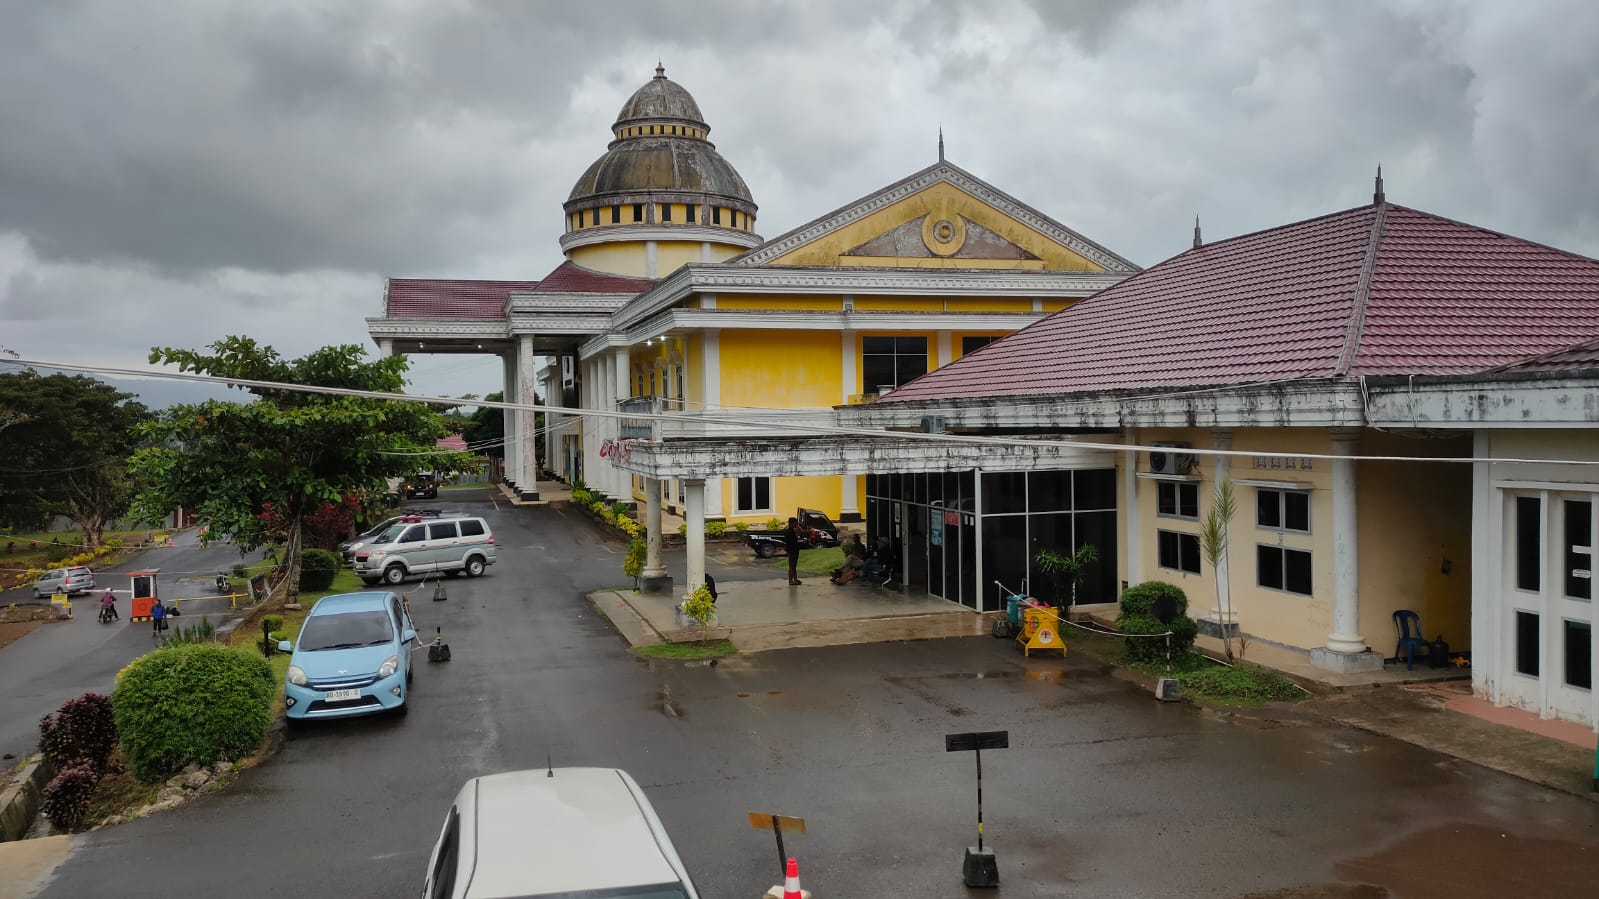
(943,232)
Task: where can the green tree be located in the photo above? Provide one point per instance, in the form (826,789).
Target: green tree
(65,440)
(253,468)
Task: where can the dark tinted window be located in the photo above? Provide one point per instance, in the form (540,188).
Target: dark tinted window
(1094,489)
(346,630)
(1529,545)
(1579,654)
(449,851)
(971,345)
(471,527)
(442,530)
(891,361)
(1177,500)
(1296,511)
(1579,548)
(1281,568)
(1178,551)
(414,534)
(1527,643)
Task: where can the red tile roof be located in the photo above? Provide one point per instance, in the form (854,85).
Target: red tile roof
(1571,358)
(571,278)
(443,298)
(1374,290)
(454,443)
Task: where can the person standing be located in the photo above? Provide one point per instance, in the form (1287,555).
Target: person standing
(791,544)
(158,617)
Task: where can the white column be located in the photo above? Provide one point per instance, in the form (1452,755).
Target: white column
(1132,532)
(527,482)
(1487,536)
(711,376)
(1223,612)
(593,473)
(694,514)
(617,390)
(1346,635)
(977,534)
(509,393)
(654,574)
(847,375)
(650,259)
(849,501)
(551,398)
(385,346)
(945,353)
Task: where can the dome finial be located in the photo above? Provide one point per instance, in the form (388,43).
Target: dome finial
(660,70)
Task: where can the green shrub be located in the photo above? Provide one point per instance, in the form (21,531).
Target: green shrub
(741,526)
(191,703)
(200,632)
(65,800)
(682,530)
(621,510)
(272,623)
(318,568)
(581,496)
(1137,617)
(82,730)
(240,570)
(774,524)
(56,553)
(715,528)
(699,606)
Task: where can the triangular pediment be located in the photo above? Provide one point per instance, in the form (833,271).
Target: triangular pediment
(941,216)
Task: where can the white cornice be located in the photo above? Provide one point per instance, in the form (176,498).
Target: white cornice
(527,301)
(789,456)
(1511,400)
(954,175)
(796,320)
(1319,403)
(431,327)
(659,231)
(730,278)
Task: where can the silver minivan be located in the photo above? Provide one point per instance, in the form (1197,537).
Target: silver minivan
(71,581)
(555,832)
(444,544)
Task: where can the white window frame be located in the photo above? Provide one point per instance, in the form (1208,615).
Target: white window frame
(1199,553)
(1282,510)
(738,507)
(1178,487)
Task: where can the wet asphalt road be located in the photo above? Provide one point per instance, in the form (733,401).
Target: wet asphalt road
(1104,792)
(64,659)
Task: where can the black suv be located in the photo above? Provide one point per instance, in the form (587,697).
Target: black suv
(421,485)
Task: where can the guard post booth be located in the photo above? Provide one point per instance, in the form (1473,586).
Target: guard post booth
(144,594)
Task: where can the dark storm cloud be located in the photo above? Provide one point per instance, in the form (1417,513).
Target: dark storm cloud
(177,171)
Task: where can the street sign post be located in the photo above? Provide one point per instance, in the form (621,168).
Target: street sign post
(777,824)
(980,868)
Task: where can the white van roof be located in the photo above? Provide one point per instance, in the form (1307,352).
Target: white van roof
(582,829)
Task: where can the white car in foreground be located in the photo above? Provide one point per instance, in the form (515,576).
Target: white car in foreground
(558,832)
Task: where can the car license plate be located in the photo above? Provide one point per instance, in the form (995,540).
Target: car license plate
(341,695)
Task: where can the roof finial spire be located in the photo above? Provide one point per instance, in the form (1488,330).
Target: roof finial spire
(940,143)
(1377,198)
(660,70)
(1198,242)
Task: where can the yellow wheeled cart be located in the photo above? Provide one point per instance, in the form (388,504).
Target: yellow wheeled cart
(1040,630)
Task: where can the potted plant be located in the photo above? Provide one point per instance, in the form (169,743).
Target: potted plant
(1066,572)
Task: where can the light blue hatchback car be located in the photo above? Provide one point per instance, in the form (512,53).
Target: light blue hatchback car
(353,658)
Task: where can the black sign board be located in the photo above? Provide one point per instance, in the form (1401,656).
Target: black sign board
(988,739)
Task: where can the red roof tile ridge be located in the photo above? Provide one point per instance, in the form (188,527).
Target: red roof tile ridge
(589,271)
(1209,244)
(1510,237)
(1532,361)
(1357,314)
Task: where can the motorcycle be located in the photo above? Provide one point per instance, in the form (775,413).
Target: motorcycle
(222,584)
(107,614)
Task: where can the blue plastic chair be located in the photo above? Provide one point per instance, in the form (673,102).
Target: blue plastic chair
(1408,624)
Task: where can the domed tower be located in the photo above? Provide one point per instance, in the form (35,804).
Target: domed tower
(661,196)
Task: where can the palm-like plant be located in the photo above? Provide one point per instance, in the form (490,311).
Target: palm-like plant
(1213,543)
(1067,572)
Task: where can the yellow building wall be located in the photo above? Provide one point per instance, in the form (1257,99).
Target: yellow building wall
(943,200)
(671,255)
(780,302)
(781,369)
(1410,517)
(788,494)
(625,259)
(1035,265)
(1413,517)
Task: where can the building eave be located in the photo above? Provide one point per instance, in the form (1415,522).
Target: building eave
(1512,399)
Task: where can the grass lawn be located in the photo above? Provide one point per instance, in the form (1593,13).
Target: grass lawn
(815,562)
(1243,686)
(706,649)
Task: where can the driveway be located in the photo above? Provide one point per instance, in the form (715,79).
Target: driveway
(1104,792)
(63,659)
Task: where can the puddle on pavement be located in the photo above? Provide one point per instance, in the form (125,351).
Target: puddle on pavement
(1470,861)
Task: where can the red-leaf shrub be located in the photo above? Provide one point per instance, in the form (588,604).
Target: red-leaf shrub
(82,729)
(66,797)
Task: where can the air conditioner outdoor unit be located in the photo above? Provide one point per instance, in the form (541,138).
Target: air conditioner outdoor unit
(1170,462)
(932,424)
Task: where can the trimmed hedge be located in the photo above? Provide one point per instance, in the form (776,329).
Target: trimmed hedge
(196,702)
(1137,617)
(318,568)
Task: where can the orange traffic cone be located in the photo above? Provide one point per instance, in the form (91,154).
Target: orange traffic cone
(791,887)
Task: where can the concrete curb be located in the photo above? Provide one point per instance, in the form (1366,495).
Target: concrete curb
(19,804)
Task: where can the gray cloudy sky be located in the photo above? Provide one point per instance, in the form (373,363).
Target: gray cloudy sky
(172,171)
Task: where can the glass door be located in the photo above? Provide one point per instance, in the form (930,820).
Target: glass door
(1571,607)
